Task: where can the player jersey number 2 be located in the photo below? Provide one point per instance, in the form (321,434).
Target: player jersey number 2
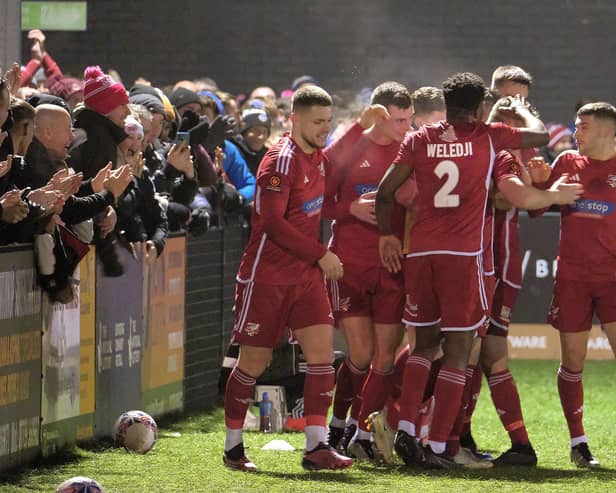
(444,197)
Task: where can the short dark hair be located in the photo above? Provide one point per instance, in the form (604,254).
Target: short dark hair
(601,110)
(511,73)
(391,94)
(427,99)
(308,96)
(463,93)
(21,110)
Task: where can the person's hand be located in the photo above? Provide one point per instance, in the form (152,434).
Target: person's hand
(539,170)
(50,200)
(180,158)
(70,185)
(363,208)
(36,51)
(373,114)
(13,208)
(331,266)
(109,221)
(509,108)
(98,182)
(390,251)
(567,193)
(36,36)
(150,252)
(118,179)
(5,166)
(137,164)
(13,77)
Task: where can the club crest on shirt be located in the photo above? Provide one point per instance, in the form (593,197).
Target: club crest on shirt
(611,181)
(252,329)
(273,183)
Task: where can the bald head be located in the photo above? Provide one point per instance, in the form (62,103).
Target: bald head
(52,127)
(49,115)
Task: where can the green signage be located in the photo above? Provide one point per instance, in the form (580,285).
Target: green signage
(54,16)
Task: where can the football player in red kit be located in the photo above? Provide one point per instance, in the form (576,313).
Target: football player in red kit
(586,277)
(507,81)
(280,282)
(453,164)
(368,301)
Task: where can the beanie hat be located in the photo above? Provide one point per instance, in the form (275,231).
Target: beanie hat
(101,93)
(152,103)
(169,109)
(304,79)
(215,98)
(182,96)
(39,98)
(64,87)
(557,132)
(133,127)
(254,117)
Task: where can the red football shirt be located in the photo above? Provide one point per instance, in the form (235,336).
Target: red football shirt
(507,258)
(453,169)
(355,166)
(284,241)
(587,248)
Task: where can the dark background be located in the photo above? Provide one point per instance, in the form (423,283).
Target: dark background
(566,44)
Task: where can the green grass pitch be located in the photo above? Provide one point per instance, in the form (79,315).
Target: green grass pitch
(192,461)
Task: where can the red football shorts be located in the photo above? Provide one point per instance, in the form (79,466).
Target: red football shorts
(503,303)
(367,291)
(264,311)
(574,303)
(445,289)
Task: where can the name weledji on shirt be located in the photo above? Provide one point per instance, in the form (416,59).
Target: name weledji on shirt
(457,149)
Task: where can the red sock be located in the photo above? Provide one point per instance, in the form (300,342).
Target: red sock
(448,396)
(318,390)
(453,442)
(476,381)
(393,412)
(571,394)
(239,393)
(507,403)
(344,392)
(398,372)
(357,377)
(416,373)
(376,389)
(434,369)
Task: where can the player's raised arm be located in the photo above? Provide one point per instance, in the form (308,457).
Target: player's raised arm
(524,196)
(532,131)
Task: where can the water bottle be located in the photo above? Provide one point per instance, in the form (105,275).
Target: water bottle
(265,414)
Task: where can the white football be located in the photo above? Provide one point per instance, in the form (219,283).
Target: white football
(80,484)
(135,431)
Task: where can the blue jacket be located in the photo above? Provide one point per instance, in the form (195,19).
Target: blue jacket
(237,170)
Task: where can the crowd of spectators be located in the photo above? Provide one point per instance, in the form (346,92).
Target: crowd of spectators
(88,160)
